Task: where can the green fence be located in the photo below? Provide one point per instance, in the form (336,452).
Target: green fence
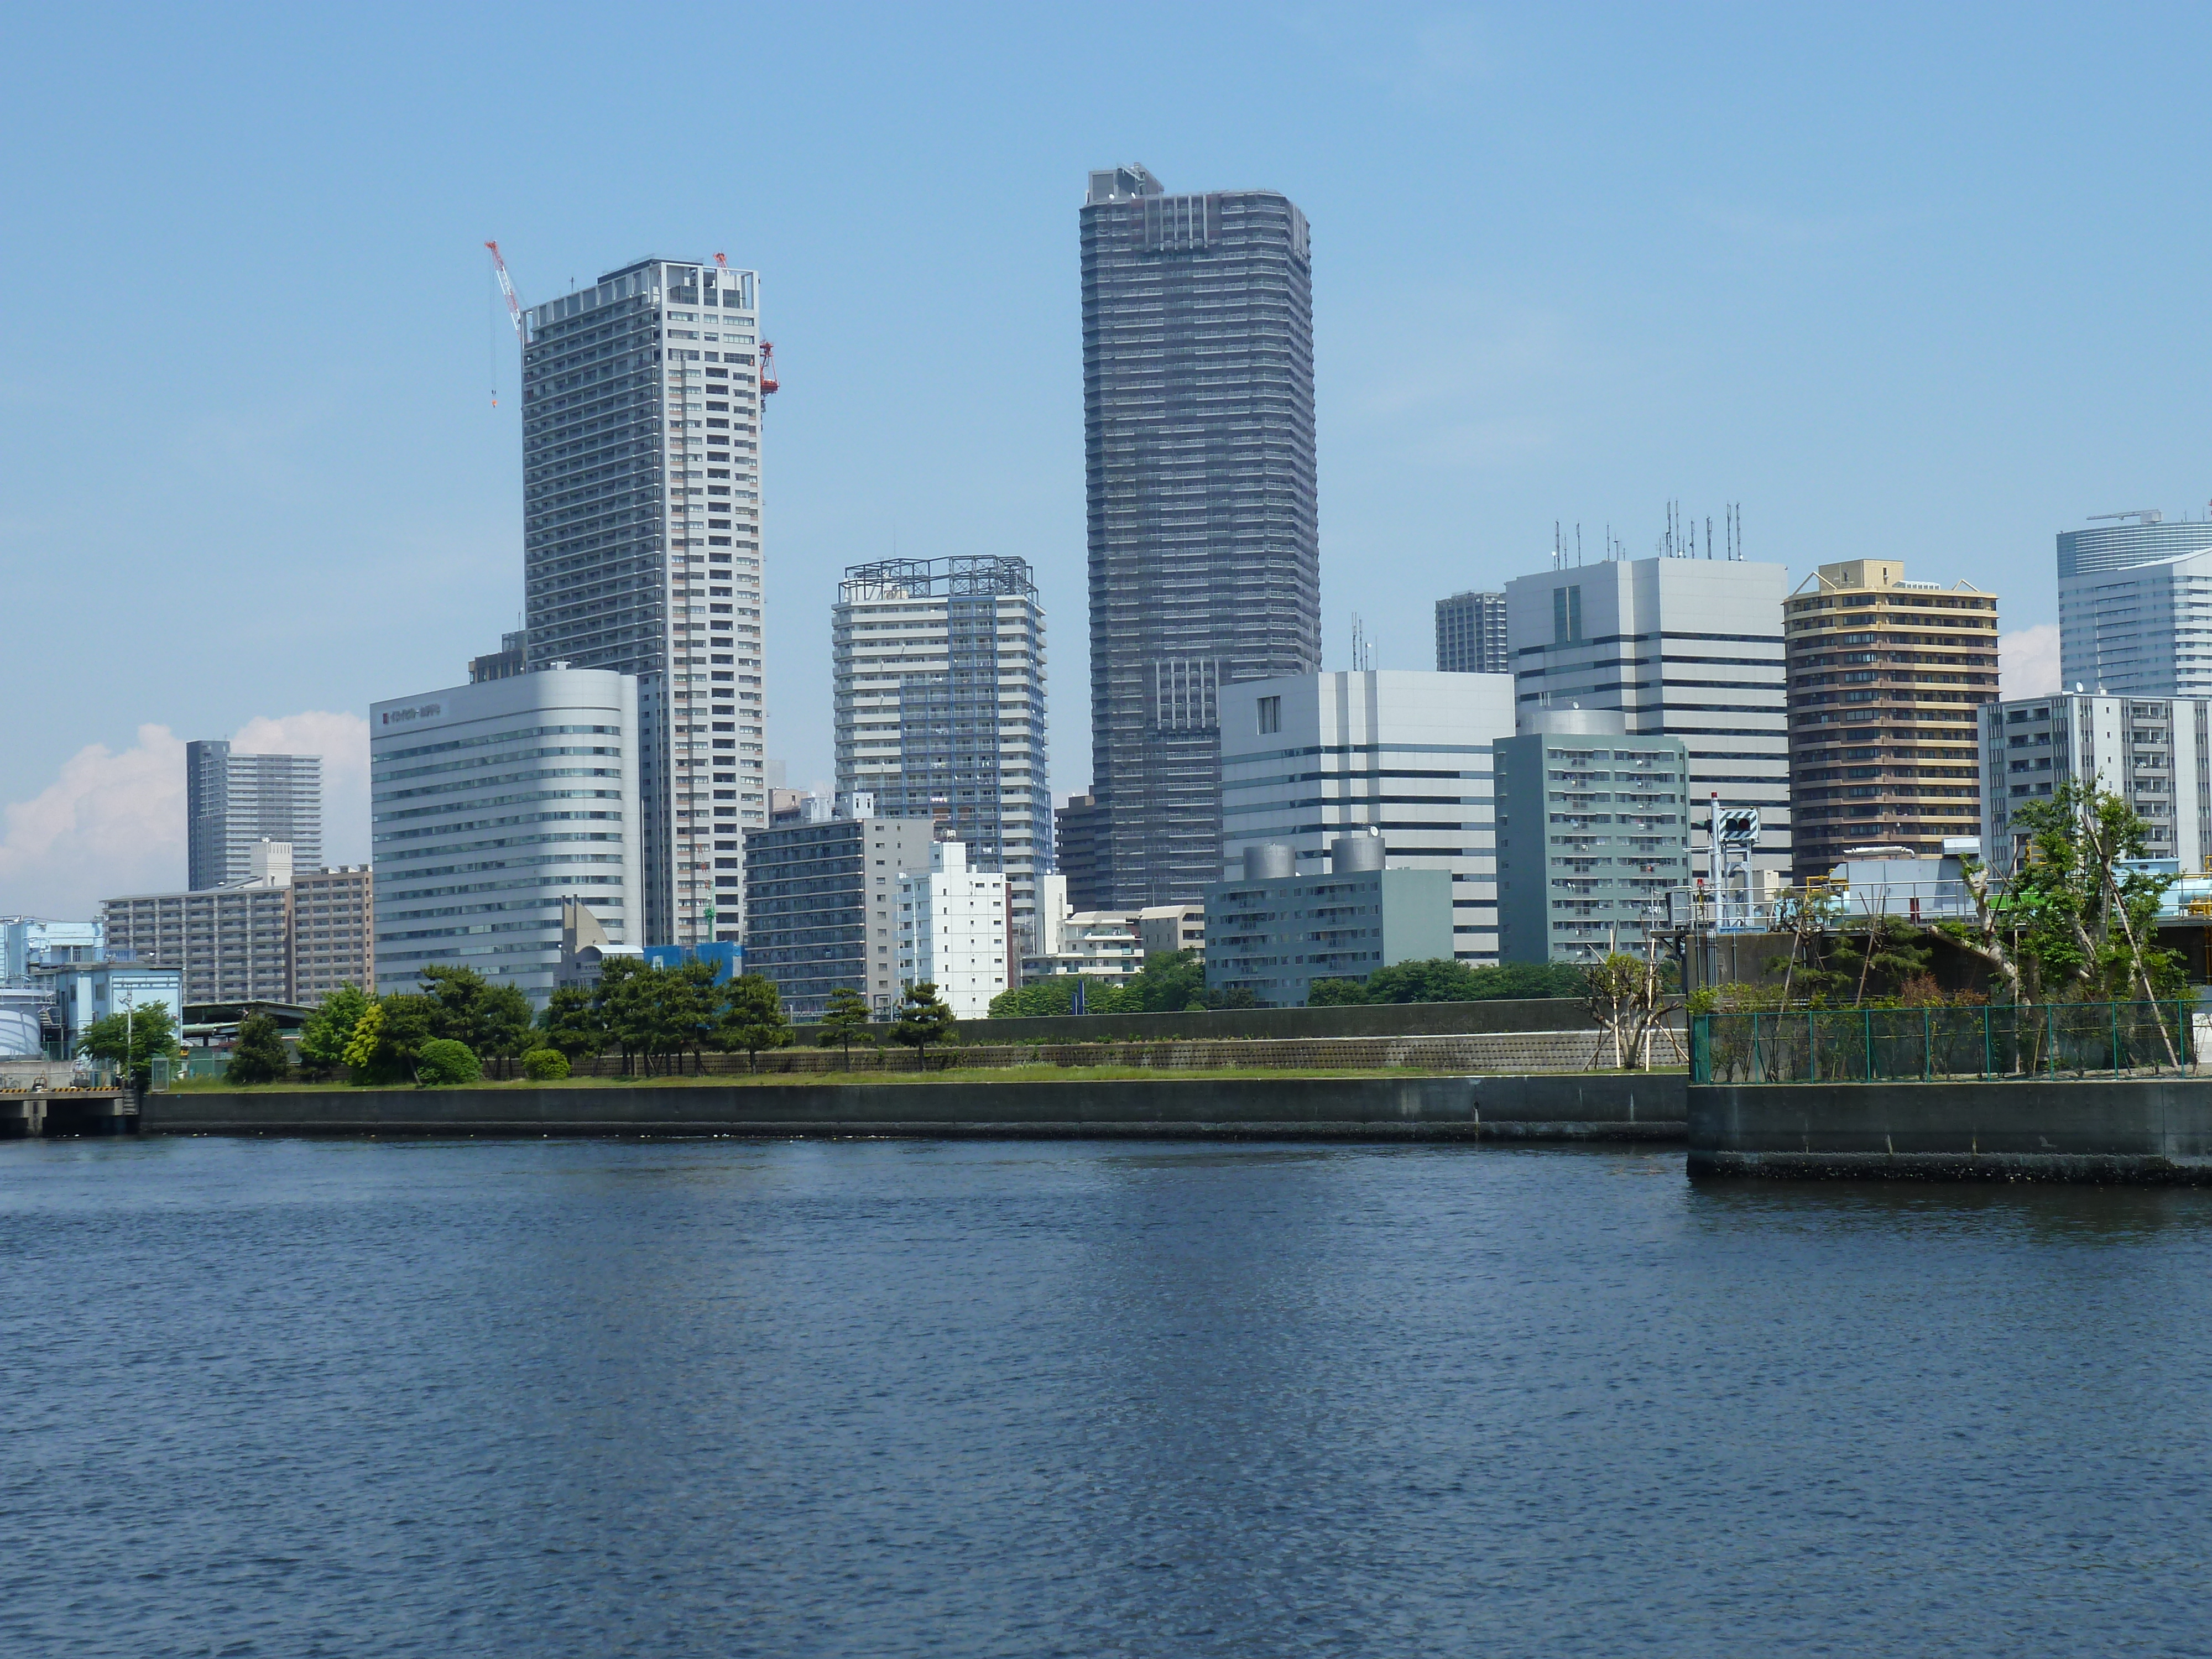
(1875,1045)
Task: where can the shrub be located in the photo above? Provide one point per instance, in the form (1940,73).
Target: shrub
(546,1065)
(259,1056)
(442,1061)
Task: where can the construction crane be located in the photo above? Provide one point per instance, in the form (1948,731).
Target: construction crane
(767,346)
(514,305)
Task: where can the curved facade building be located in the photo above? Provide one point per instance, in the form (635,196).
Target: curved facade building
(2135,608)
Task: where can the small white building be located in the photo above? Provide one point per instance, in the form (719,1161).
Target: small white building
(952,929)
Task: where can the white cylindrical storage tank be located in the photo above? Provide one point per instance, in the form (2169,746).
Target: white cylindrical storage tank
(19,1022)
(1361,852)
(1269,861)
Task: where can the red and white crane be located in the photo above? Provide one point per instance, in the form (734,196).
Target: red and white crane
(514,305)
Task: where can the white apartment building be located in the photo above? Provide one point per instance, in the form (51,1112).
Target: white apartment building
(1309,757)
(952,928)
(938,670)
(1688,648)
(332,937)
(2153,752)
(642,540)
(491,804)
(2134,607)
(1103,943)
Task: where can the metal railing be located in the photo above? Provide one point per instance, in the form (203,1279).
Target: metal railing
(1878,1045)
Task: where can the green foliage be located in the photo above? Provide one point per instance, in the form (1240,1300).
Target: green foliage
(844,1020)
(751,1018)
(1874,959)
(443,1061)
(1171,983)
(1442,979)
(329,1029)
(259,1056)
(546,1065)
(361,1048)
(129,1041)
(493,1020)
(922,1019)
(1335,993)
(571,1023)
(1056,995)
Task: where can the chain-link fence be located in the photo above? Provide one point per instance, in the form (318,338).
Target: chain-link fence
(1875,1045)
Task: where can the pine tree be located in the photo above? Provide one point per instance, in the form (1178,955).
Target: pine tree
(845,1018)
(259,1056)
(921,1019)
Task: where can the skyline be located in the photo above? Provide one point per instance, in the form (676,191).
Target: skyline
(1870,296)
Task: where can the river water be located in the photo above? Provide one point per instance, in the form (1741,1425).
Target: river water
(884,1398)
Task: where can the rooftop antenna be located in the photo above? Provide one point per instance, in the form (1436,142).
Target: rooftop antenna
(1708,535)
(1578,547)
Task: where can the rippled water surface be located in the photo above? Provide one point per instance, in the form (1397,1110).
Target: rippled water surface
(865,1398)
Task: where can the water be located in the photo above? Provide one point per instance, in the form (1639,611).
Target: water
(718,1398)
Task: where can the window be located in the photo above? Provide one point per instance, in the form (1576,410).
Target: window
(1271,714)
(1566,614)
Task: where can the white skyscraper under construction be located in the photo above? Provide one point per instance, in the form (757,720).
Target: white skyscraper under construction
(642,403)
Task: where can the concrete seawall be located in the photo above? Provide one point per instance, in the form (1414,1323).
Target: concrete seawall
(1618,1107)
(2156,1130)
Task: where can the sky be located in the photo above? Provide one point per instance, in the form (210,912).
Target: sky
(1918,282)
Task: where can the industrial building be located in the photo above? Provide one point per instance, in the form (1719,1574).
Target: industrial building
(822,904)
(1308,758)
(490,805)
(1685,648)
(27,939)
(641,545)
(1274,931)
(938,676)
(233,803)
(1887,678)
(1471,634)
(1592,831)
(1204,553)
(2134,607)
(2155,753)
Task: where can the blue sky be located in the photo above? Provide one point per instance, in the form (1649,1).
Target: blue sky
(1902,283)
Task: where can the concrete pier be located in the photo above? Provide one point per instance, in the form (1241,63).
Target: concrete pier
(31,1113)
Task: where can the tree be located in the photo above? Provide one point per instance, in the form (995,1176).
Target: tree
(388,1037)
(442,1061)
(1169,982)
(921,1019)
(689,1008)
(544,1065)
(259,1055)
(129,1041)
(324,1038)
(845,1018)
(1437,980)
(1626,996)
(492,1019)
(571,1022)
(360,1048)
(752,1018)
(1335,993)
(1054,994)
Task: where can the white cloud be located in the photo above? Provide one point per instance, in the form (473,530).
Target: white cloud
(2027,661)
(114,821)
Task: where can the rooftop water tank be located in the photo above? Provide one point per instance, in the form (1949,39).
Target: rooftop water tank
(1269,861)
(1361,852)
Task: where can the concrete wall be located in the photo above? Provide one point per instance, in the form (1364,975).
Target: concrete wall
(1381,1019)
(2157,1129)
(1619,1107)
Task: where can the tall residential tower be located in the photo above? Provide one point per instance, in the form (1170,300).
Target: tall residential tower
(2134,607)
(641,423)
(234,802)
(1198,413)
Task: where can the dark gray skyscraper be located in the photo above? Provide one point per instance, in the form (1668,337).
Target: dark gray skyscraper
(233,801)
(1198,413)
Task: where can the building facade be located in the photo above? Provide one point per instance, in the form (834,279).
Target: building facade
(1273,933)
(1306,759)
(1471,634)
(2135,608)
(1204,539)
(641,546)
(234,801)
(228,944)
(25,940)
(822,906)
(1076,854)
(1099,944)
(332,935)
(2153,752)
(1689,648)
(78,994)
(953,928)
(1887,682)
(1168,929)
(939,677)
(1593,830)
(491,804)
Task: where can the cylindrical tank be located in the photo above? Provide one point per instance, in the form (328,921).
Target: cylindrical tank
(1574,722)
(1362,852)
(1269,862)
(19,1021)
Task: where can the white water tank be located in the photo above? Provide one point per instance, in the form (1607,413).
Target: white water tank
(19,1021)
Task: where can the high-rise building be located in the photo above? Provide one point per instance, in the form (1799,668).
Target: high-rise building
(937,666)
(232,943)
(2153,752)
(332,942)
(1688,648)
(953,930)
(1198,413)
(641,503)
(1076,832)
(822,904)
(1310,757)
(2134,607)
(1887,681)
(1471,634)
(489,805)
(234,801)
(1592,831)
